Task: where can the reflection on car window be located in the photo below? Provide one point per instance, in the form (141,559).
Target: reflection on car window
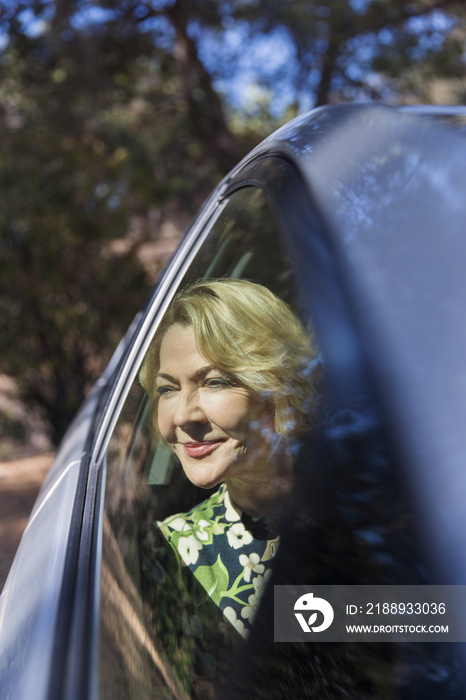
(188,570)
(192,556)
(351,522)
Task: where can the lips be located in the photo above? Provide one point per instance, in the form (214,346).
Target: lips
(201,449)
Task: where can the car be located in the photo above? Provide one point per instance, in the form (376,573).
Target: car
(354,215)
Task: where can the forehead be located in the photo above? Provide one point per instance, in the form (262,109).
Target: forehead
(179,346)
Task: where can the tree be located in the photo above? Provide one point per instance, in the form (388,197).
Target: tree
(75,173)
(349,49)
(63,294)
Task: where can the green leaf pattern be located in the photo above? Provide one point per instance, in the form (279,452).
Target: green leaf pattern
(229,553)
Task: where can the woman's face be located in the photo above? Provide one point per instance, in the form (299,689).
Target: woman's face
(214,425)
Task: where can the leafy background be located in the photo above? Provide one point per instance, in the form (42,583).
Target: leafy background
(116,120)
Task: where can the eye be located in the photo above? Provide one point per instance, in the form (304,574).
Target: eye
(165,390)
(218,383)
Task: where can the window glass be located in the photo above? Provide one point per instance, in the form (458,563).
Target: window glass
(167,628)
(176,638)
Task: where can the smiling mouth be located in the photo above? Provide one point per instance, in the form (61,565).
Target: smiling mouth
(201,449)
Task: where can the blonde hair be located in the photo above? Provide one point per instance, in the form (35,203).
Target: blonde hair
(243,328)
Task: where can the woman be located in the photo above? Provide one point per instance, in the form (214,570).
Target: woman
(232,382)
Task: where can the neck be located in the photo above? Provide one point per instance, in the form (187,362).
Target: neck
(261,497)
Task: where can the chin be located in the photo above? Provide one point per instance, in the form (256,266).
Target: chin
(203,483)
(201,476)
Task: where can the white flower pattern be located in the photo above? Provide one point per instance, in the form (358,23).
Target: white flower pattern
(250,610)
(201,534)
(188,548)
(232,618)
(238,536)
(231,512)
(259,581)
(179,524)
(251,563)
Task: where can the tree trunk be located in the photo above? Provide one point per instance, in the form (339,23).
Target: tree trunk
(206,112)
(328,69)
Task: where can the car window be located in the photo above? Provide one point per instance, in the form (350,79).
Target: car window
(168,638)
(350,519)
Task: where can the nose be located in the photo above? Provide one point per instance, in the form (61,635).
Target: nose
(188,409)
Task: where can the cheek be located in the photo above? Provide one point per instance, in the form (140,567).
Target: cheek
(230,411)
(164,424)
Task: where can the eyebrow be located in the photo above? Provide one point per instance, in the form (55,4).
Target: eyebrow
(198,374)
(162,375)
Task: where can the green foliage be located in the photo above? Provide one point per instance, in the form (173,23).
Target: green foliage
(79,160)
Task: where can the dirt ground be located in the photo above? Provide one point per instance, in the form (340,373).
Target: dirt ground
(20,481)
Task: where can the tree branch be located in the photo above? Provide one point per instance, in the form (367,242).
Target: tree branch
(373,20)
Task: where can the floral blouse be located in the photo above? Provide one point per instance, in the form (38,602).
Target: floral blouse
(228,552)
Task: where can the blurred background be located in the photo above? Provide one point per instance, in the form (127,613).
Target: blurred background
(116,120)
